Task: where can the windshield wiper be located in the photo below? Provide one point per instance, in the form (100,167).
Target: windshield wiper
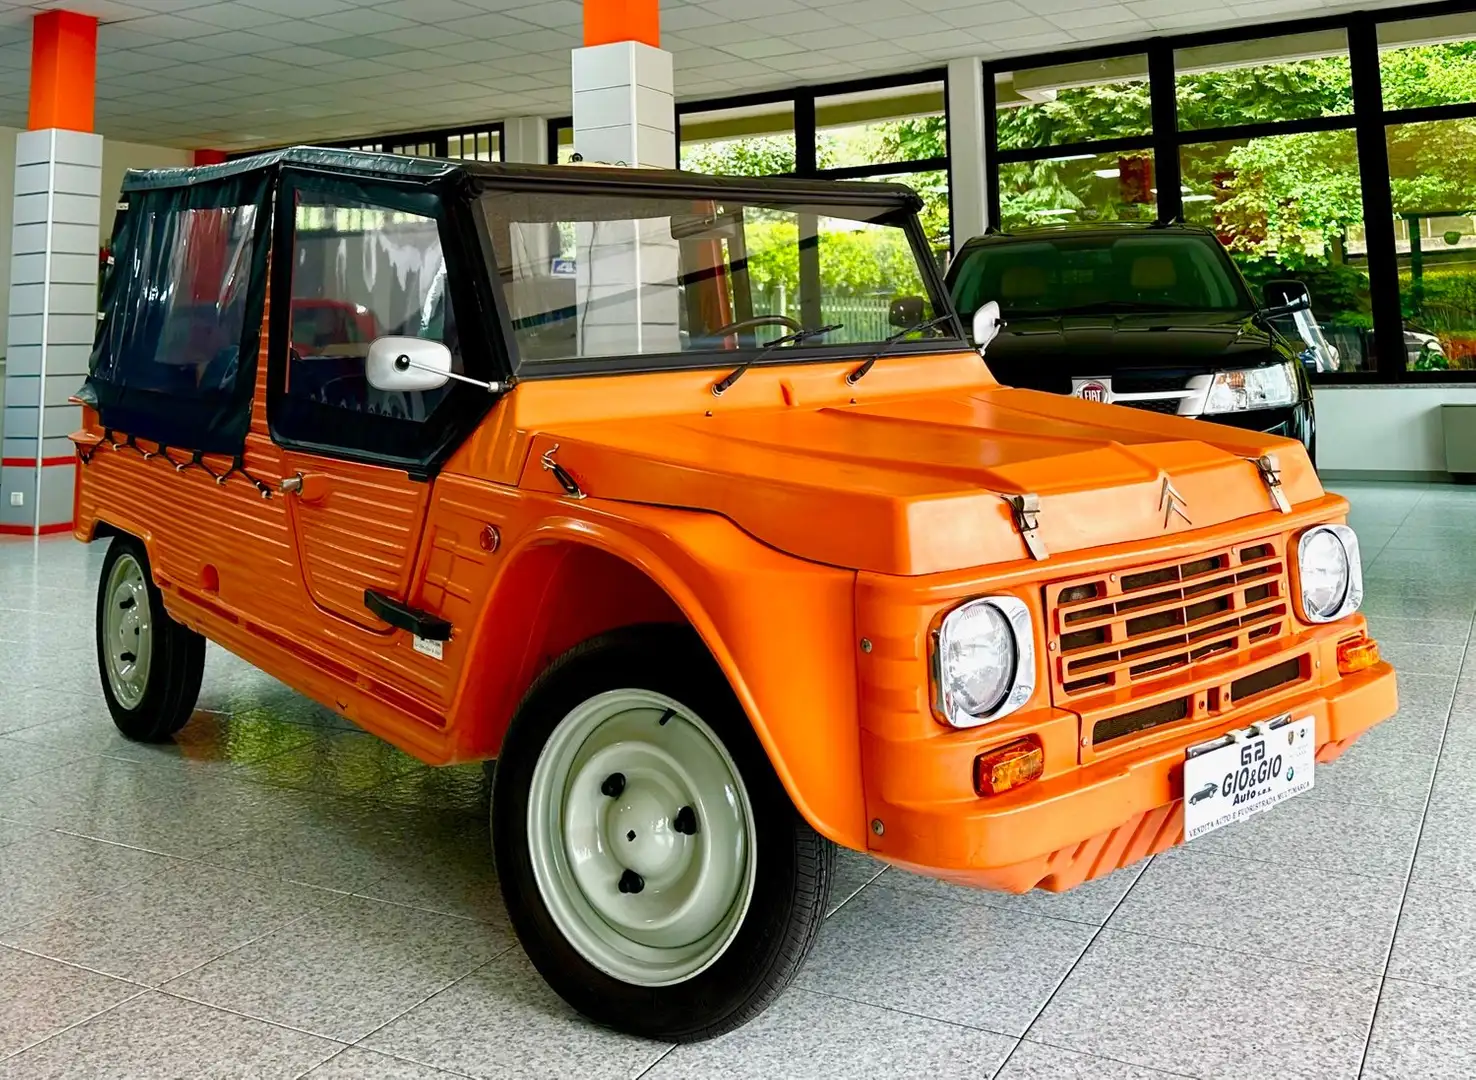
(787,339)
(915,328)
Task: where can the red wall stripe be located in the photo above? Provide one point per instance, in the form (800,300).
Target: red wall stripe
(27,530)
(30,463)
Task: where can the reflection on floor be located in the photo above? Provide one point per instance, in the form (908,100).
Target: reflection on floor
(277,895)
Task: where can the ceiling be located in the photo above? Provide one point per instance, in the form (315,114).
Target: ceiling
(235,73)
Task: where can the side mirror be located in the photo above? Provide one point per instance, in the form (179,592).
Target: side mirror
(987,324)
(1289,294)
(408,365)
(906,311)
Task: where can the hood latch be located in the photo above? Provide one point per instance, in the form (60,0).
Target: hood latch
(1026,511)
(1270,469)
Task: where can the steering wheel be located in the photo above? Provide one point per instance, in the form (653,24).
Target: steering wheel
(351,392)
(757,321)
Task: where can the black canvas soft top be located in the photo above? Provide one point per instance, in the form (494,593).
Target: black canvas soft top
(582,177)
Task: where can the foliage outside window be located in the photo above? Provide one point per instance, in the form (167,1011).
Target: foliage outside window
(1073,103)
(1296,77)
(1078,189)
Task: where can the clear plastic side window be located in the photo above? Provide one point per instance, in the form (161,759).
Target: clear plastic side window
(361,272)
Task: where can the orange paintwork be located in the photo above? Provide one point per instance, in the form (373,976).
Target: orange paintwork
(63,71)
(813,534)
(607,21)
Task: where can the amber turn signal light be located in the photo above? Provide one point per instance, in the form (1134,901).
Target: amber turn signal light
(1357,654)
(1008,767)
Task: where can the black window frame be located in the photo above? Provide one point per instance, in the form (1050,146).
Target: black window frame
(420,448)
(1369,121)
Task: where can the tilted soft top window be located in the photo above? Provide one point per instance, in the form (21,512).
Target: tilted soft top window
(174,360)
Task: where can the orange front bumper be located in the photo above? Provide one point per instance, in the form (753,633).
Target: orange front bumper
(1057,833)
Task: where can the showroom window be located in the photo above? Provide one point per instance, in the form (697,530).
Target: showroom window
(889,129)
(1340,154)
(482,143)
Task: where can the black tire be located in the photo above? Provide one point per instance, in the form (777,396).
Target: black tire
(794,863)
(176,662)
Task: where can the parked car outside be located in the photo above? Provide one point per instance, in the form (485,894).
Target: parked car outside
(718,590)
(1154,317)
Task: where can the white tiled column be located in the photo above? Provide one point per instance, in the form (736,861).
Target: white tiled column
(966,150)
(525,139)
(53,317)
(626,271)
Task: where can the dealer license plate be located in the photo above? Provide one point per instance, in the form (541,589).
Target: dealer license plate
(1244,772)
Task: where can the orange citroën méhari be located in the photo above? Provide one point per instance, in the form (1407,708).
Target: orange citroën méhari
(626,480)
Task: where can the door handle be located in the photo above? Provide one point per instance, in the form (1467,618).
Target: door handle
(402,616)
(312,488)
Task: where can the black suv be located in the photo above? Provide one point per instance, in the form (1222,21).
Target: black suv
(1154,317)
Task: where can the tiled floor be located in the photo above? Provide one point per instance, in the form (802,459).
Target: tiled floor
(276,895)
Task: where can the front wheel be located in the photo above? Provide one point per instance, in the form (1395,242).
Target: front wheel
(653,866)
(151,666)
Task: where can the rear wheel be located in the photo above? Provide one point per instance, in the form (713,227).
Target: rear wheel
(151,666)
(653,865)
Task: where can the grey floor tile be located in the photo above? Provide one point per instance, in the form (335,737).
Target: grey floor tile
(19,758)
(1188,1009)
(451,788)
(503,1021)
(45,873)
(1436,942)
(1419,724)
(449,869)
(1390,629)
(29,707)
(345,970)
(1388,598)
(355,1064)
(1325,834)
(1256,908)
(854,870)
(1035,1061)
(353,844)
(1424,659)
(41,997)
(1422,1033)
(838,1039)
(336,763)
(1375,777)
(1447,852)
(961,963)
(168,923)
(154,1035)
(1090,903)
(11,831)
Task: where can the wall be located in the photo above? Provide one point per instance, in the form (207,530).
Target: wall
(1389,429)
(118,157)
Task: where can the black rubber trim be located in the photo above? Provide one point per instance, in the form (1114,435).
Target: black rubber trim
(420,623)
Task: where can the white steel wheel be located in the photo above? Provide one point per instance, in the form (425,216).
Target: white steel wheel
(641,837)
(127,631)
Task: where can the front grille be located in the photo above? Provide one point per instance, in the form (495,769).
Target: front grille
(1110,631)
(1129,382)
(1263,682)
(1158,405)
(1130,723)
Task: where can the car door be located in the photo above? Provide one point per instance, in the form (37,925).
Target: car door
(357,262)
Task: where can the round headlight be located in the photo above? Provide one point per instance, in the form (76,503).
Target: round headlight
(1330,574)
(985,661)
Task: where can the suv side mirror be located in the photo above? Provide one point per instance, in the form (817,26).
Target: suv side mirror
(1288,294)
(987,323)
(408,365)
(906,311)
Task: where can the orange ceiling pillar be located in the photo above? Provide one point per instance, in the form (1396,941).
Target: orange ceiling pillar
(608,21)
(63,71)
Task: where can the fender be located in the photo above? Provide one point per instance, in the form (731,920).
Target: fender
(781,630)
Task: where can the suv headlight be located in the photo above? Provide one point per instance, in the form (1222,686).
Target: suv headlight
(1251,388)
(984,661)
(1330,573)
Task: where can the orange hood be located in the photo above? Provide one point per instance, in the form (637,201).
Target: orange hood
(914,484)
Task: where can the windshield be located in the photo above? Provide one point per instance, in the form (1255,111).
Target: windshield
(1097,274)
(621,277)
